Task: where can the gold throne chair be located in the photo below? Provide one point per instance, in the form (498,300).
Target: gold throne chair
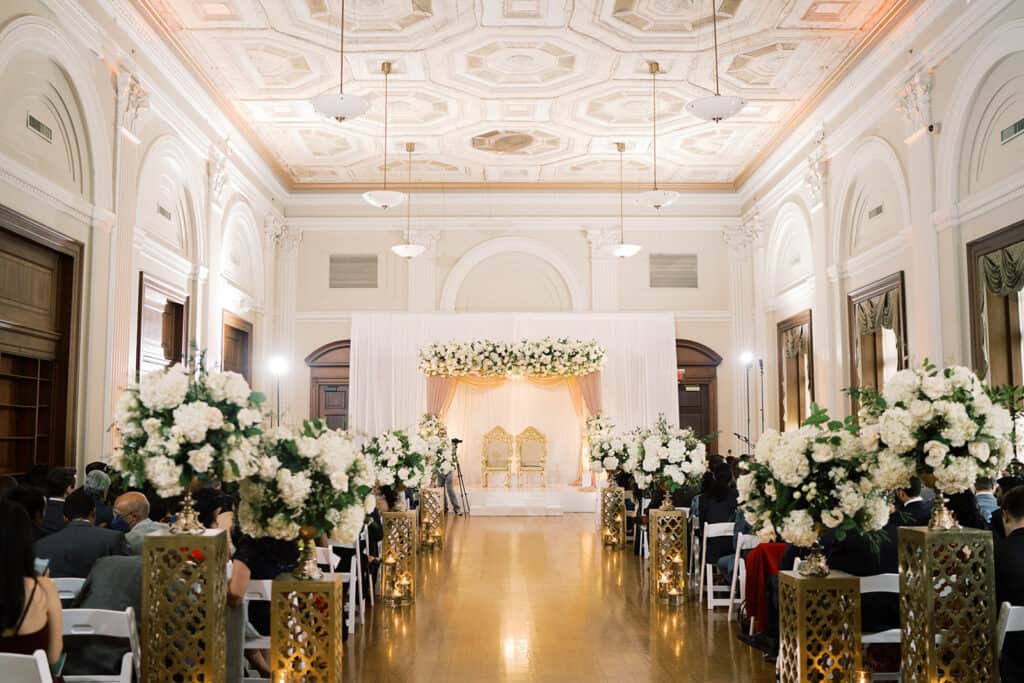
(532,447)
(497,455)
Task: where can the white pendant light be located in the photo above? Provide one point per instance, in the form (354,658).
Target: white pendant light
(654,197)
(384,198)
(623,250)
(717,107)
(338,105)
(408,250)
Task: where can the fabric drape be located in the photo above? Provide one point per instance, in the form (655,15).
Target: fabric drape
(590,388)
(1003,270)
(878,312)
(793,341)
(440,392)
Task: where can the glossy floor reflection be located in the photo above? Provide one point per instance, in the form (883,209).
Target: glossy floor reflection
(538,599)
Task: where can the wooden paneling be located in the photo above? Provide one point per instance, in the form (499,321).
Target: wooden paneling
(697,378)
(329,383)
(162,337)
(237,344)
(796,374)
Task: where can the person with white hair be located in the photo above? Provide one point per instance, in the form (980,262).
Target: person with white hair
(97,484)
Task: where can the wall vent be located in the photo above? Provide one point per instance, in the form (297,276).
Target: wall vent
(674,270)
(39,128)
(875,212)
(1011,131)
(350,271)
(163,212)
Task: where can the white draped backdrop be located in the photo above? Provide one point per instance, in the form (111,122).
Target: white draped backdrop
(387,391)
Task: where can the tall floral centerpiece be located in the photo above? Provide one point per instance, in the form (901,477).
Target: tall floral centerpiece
(806,481)
(183,425)
(399,458)
(607,449)
(308,483)
(939,424)
(437,451)
(665,456)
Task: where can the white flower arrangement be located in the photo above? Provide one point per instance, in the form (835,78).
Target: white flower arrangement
(806,481)
(938,424)
(608,450)
(318,478)
(183,424)
(547,357)
(666,456)
(440,457)
(399,459)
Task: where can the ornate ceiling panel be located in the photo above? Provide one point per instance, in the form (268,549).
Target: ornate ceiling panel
(516,91)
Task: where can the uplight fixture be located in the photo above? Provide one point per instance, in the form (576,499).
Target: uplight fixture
(408,250)
(717,107)
(338,105)
(623,250)
(385,198)
(654,197)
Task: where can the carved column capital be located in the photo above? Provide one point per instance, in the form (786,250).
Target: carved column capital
(914,100)
(741,237)
(132,102)
(217,170)
(816,178)
(289,238)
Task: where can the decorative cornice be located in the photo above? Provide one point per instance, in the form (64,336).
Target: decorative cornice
(914,100)
(743,236)
(30,181)
(132,103)
(816,177)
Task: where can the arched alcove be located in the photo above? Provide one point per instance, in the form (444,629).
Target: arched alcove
(513,281)
(789,256)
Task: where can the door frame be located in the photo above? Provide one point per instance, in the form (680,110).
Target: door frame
(328,364)
(698,364)
(170,291)
(229,319)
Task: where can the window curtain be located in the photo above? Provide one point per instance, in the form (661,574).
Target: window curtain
(878,312)
(1003,270)
(793,342)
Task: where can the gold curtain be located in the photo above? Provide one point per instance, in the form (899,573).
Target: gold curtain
(584,392)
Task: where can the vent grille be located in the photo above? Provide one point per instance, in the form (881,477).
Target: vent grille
(163,212)
(353,271)
(674,270)
(875,212)
(39,128)
(1012,131)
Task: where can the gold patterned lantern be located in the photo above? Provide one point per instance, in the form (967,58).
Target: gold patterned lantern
(819,627)
(613,516)
(431,518)
(306,630)
(947,606)
(184,593)
(667,538)
(398,563)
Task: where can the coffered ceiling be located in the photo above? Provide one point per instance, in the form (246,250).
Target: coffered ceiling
(507,92)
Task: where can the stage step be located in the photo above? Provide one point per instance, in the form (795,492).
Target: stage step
(552,501)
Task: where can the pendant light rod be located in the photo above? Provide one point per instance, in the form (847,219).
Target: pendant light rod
(409,147)
(714,30)
(386,68)
(653,68)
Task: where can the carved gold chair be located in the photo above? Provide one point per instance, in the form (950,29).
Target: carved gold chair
(532,447)
(497,454)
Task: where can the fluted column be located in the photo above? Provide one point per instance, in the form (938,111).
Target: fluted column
(827,350)
(217,167)
(604,270)
(741,241)
(286,287)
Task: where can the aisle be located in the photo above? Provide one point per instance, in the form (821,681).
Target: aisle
(536,599)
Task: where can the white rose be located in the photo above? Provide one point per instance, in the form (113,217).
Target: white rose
(831,518)
(979,450)
(935,387)
(200,459)
(935,453)
(610,463)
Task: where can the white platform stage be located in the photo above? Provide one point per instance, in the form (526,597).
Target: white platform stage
(498,501)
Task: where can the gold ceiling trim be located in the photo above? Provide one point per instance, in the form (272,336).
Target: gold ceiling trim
(512,185)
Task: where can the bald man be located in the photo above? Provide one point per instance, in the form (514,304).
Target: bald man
(132,510)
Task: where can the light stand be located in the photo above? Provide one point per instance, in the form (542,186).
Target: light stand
(747,358)
(760,364)
(278,366)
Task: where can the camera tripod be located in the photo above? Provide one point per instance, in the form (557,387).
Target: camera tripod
(463,496)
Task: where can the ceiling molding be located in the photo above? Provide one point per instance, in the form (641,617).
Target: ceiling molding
(509,223)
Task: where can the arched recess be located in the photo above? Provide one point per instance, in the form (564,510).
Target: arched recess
(241,261)
(329,372)
(501,245)
(874,174)
(1006,40)
(33,34)
(790,260)
(697,379)
(166,209)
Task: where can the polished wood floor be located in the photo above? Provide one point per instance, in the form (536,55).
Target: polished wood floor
(538,599)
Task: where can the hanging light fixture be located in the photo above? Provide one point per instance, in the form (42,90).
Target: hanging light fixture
(384,199)
(654,197)
(622,249)
(717,107)
(408,250)
(339,106)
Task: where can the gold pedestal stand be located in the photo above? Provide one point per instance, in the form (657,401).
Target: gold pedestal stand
(819,627)
(398,563)
(613,516)
(306,630)
(184,594)
(431,519)
(947,606)
(667,538)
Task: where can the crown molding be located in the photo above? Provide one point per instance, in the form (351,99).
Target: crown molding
(510,223)
(978,204)
(28,180)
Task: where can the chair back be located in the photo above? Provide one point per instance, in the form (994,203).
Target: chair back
(497,449)
(880,583)
(259,590)
(327,558)
(718,530)
(747,542)
(33,668)
(532,447)
(1011,618)
(68,588)
(98,622)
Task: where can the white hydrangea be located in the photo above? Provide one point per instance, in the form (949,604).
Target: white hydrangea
(958,474)
(902,387)
(282,528)
(164,389)
(610,463)
(293,487)
(165,476)
(193,420)
(247,417)
(348,524)
(895,428)
(893,471)
(798,529)
(877,509)
(228,386)
(936,387)
(268,467)
(851,500)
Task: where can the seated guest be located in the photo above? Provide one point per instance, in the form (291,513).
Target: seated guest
(73,550)
(30,611)
(60,482)
(7,483)
(1003,486)
(1009,563)
(131,515)
(911,505)
(718,504)
(97,483)
(984,495)
(33,502)
(115,583)
(208,504)
(727,563)
(966,511)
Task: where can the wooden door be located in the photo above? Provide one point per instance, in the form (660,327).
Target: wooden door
(695,406)
(236,346)
(162,337)
(328,383)
(697,377)
(38,314)
(332,405)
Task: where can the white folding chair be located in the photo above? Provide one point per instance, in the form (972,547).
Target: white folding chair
(256,591)
(33,668)
(102,622)
(645,504)
(1011,618)
(355,586)
(715,530)
(326,557)
(364,541)
(881,583)
(693,559)
(68,588)
(739,571)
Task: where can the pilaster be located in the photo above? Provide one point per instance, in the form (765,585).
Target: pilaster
(604,270)
(826,380)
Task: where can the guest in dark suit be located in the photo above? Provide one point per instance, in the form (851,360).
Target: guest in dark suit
(73,550)
(966,512)
(910,504)
(115,583)
(34,503)
(1003,486)
(60,482)
(718,503)
(1009,561)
